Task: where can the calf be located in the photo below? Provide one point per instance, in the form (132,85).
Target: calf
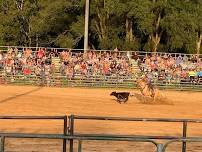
(121,96)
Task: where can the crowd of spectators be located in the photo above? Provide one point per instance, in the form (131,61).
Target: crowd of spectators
(41,63)
(168,68)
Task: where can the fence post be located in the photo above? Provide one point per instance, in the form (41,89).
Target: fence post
(65,133)
(184,144)
(79,145)
(159,147)
(71,132)
(2,144)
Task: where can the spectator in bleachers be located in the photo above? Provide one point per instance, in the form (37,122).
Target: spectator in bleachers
(192,75)
(199,76)
(160,67)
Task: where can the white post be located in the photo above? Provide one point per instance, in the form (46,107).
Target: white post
(86,26)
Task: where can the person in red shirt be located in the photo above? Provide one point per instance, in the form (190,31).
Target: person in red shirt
(41,53)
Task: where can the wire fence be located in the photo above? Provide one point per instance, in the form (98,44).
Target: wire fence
(129,53)
(93,81)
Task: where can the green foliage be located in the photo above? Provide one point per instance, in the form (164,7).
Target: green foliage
(164,25)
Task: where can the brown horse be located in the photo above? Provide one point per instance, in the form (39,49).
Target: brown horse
(146,89)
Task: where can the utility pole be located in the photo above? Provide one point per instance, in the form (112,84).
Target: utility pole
(86,25)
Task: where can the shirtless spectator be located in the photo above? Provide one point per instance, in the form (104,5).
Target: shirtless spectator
(27,53)
(65,56)
(1,61)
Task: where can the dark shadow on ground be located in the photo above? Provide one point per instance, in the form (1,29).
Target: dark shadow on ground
(115,100)
(20,95)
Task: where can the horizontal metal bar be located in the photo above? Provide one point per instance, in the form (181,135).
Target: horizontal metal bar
(23,135)
(128,136)
(124,51)
(181,140)
(68,137)
(32,117)
(137,119)
(83,137)
(114,139)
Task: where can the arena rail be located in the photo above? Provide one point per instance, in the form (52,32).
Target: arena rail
(185,140)
(64,118)
(159,146)
(129,52)
(94,81)
(184,122)
(70,135)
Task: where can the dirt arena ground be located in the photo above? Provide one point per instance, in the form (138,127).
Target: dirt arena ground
(37,101)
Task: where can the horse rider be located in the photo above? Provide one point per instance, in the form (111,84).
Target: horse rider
(148,82)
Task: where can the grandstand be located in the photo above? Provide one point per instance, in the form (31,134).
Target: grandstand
(52,66)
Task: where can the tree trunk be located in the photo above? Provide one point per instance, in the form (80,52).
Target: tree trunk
(127,24)
(101,24)
(198,43)
(29,37)
(156,35)
(155,40)
(129,30)
(37,40)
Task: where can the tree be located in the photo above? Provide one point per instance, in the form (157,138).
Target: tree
(154,25)
(183,25)
(58,23)
(152,20)
(198,28)
(15,24)
(130,13)
(41,22)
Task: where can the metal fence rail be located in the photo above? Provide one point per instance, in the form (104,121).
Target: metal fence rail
(129,52)
(70,135)
(159,146)
(63,118)
(184,122)
(93,81)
